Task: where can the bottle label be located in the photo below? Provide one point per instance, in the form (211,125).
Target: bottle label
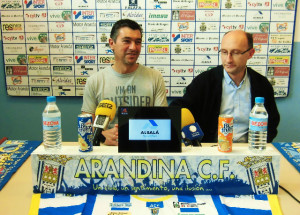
(258,124)
(51,123)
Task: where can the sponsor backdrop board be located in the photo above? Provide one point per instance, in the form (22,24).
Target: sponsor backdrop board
(52,46)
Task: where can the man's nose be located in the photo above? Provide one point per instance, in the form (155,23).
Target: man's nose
(229,57)
(132,45)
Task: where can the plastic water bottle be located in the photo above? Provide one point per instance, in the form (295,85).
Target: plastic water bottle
(258,125)
(51,125)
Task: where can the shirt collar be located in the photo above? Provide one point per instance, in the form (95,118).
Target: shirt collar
(229,81)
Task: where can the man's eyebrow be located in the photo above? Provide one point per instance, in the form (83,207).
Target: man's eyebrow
(233,50)
(130,38)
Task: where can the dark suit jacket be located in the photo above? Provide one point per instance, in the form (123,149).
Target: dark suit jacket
(203,99)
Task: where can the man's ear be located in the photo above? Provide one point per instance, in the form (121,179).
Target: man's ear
(251,53)
(111,43)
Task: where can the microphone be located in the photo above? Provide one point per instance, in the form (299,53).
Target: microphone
(191,132)
(105,112)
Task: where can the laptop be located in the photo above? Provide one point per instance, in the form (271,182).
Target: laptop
(149,129)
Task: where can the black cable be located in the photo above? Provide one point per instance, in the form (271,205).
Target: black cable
(289,193)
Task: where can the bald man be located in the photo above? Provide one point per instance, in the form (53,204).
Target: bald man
(231,89)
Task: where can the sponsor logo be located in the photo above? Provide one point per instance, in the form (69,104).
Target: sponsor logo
(84,14)
(16,70)
(280,92)
(281,50)
(105,105)
(132,4)
(120,204)
(106,59)
(232,27)
(258,4)
(85,70)
(184,38)
(282,27)
(208,4)
(35,15)
(81,81)
(13,38)
(86,37)
(260,38)
(151,124)
(42,81)
(35,3)
(62,80)
(106,24)
(85,47)
(11,5)
(37,59)
(12,27)
(181,81)
(158,38)
(36,49)
(62,59)
(16,80)
(60,37)
(62,68)
(133,14)
(278,71)
(39,67)
(187,204)
(88,59)
(183,15)
(43,37)
(182,71)
(124,111)
(158,49)
(109,15)
(207,49)
(40,89)
(183,26)
(21,59)
(282,60)
(158,16)
(264,27)
(66,15)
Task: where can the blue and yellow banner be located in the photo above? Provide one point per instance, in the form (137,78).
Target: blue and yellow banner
(196,171)
(13,154)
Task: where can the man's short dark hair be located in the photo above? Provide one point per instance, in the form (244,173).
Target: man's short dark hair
(250,39)
(124,23)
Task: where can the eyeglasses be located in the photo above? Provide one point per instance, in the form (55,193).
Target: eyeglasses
(234,53)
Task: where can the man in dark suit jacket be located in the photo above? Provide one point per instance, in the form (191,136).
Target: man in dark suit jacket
(230,89)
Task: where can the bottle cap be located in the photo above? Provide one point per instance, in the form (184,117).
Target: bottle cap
(51,98)
(259,99)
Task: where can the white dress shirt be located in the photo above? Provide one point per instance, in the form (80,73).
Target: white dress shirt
(236,101)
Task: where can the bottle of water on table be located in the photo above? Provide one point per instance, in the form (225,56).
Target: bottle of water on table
(51,125)
(258,125)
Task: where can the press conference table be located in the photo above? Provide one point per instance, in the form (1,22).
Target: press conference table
(15,197)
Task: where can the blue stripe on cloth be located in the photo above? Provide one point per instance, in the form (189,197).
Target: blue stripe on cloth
(219,206)
(247,211)
(89,205)
(68,210)
(187,199)
(154,204)
(47,195)
(261,197)
(120,198)
(119,209)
